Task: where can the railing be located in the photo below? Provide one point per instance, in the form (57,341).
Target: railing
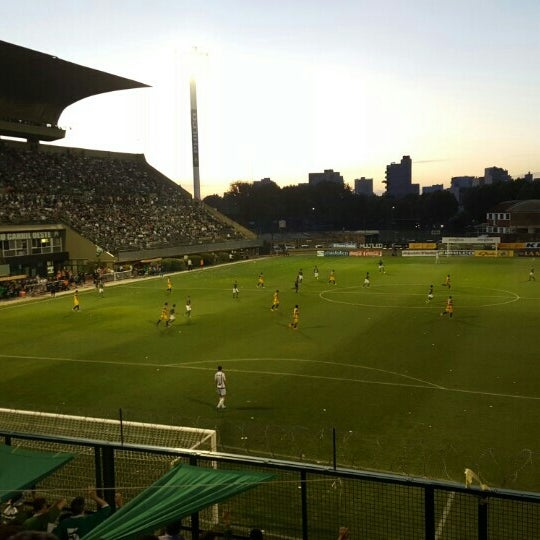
(304,501)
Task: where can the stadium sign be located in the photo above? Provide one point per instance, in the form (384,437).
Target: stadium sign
(489,253)
(336,253)
(347,245)
(419,253)
(533,252)
(29,235)
(471,240)
(422,245)
(366,253)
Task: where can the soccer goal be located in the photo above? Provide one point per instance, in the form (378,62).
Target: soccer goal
(468,245)
(133,470)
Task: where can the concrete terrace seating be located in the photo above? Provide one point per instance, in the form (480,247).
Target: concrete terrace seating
(119,204)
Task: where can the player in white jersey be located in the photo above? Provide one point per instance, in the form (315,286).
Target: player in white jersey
(221,389)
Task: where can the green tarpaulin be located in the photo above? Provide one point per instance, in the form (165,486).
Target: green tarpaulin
(21,469)
(181,492)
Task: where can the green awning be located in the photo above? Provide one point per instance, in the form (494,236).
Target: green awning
(181,492)
(21,469)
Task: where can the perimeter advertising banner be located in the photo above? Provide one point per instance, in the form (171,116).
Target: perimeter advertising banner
(491,253)
(471,240)
(334,253)
(419,253)
(422,245)
(366,253)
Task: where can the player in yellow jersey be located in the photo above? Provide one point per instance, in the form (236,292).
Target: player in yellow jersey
(295,317)
(449,309)
(169,286)
(447,281)
(275,300)
(76,303)
(164,314)
(332,277)
(260,281)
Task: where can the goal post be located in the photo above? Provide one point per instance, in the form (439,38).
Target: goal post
(134,470)
(455,245)
(110,430)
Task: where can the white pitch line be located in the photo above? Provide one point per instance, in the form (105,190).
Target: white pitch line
(333,364)
(509,297)
(426,386)
(444,517)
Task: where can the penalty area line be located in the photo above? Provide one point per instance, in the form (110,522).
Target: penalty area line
(277,374)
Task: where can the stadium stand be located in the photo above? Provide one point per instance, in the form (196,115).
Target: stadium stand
(112,203)
(117,203)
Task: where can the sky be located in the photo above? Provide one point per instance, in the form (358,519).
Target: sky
(289,87)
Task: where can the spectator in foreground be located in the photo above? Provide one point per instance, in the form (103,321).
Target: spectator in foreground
(343,533)
(172,532)
(44,517)
(81,523)
(256,534)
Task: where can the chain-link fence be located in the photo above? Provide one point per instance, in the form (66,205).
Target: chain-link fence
(303,501)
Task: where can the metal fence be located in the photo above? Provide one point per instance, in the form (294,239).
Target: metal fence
(303,501)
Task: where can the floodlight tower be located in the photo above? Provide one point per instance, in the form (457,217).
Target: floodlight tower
(195,127)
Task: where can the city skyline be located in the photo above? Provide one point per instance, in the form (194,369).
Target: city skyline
(295,88)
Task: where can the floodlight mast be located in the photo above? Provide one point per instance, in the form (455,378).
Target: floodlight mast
(195,139)
(195,128)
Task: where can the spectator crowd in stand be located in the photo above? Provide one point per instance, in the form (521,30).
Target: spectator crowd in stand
(63,280)
(23,518)
(119,204)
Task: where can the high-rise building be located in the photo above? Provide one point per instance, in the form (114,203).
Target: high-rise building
(459,183)
(431,189)
(399,178)
(493,175)
(363,186)
(329,175)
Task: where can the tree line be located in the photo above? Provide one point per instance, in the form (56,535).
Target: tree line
(260,206)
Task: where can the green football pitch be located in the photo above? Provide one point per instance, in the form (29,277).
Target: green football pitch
(403,388)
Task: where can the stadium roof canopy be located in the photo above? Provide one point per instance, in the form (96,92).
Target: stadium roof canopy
(22,469)
(36,87)
(182,491)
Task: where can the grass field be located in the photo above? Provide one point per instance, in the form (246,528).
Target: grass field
(406,389)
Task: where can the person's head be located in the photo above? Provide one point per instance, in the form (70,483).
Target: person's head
(219,368)
(77,506)
(174,528)
(39,504)
(255,534)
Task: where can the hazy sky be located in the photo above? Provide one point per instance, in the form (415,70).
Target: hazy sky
(292,86)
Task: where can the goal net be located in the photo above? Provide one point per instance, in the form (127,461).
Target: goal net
(134,471)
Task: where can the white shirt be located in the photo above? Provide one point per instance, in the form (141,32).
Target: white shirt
(220,379)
